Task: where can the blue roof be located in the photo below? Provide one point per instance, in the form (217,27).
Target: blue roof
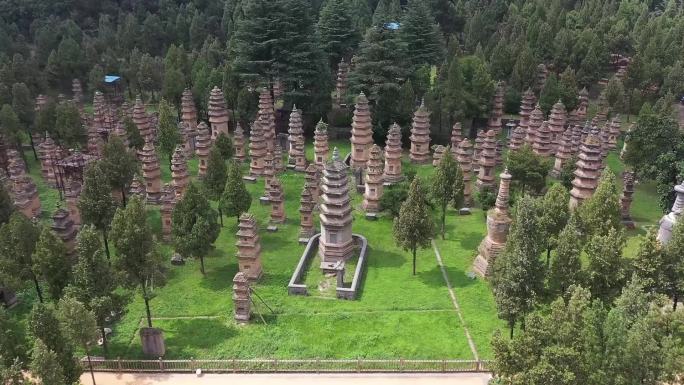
(111,78)
(392,25)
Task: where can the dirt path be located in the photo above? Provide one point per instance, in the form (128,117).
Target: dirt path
(452,294)
(288,379)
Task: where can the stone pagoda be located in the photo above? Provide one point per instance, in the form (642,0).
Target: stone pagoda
(295,136)
(248,247)
(579,114)
(72,193)
(336,244)
(526,107)
(420,136)
(494,122)
(564,152)
(477,150)
(257,149)
(218,113)
(588,171)
(268,172)
(239,143)
(542,141)
(306,208)
(142,120)
(202,147)
(64,228)
(361,133)
(341,83)
(119,131)
(24,190)
(77,92)
(321,144)
(313,181)
(456,137)
(48,153)
(137,187)
(485,176)
(612,133)
(392,172)
(626,199)
(277,201)
(151,173)
(534,124)
(517,139)
(464,157)
(374,182)
(278,165)
(498,224)
(557,120)
(266,118)
(179,172)
(437,154)
(188,110)
(168,203)
(242,298)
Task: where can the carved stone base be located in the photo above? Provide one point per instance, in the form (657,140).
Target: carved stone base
(152,340)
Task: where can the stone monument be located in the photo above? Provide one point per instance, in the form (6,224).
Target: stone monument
(277,201)
(306,208)
(485,176)
(179,172)
(218,113)
(626,199)
(588,171)
(239,143)
(202,147)
(464,159)
(374,182)
(188,110)
(498,224)
(392,172)
(420,136)
(557,120)
(296,136)
(526,106)
(321,144)
(564,152)
(257,149)
(168,203)
(361,133)
(248,247)
(151,173)
(517,139)
(64,228)
(72,192)
(142,120)
(542,141)
(241,298)
(313,179)
(341,83)
(437,154)
(494,122)
(266,118)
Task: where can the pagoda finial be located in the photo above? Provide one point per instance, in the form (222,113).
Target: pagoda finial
(336,154)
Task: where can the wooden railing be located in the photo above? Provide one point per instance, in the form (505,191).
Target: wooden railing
(285,366)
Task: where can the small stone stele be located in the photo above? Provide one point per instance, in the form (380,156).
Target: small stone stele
(152,340)
(264,200)
(177,260)
(249,179)
(272,229)
(464,211)
(372,216)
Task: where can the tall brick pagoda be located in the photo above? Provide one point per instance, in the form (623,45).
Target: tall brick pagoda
(142,120)
(494,122)
(626,199)
(295,136)
(542,140)
(266,117)
(361,133)
(517,139)
(218,113)
(485,176)
(257,149)
(392,171)
(249,247)
(48,153)
(498,224)
(242,298)
(588,171)
(202,147)
(151,173)
(179,171)
(534,124)
(374,181)
(64,228)
(168,202)
(526,107)
(564,152)
(464,157)
(557,120)
(188,110)
(313,181)
(239,143)
(321,144)
(277,200)
(420,136)
(341,83)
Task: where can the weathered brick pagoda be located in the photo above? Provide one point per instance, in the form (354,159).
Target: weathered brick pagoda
(151,173)
(202,147)
(321,144)
(218,113)
(249,247)
(361,133)
(179,171)
(498,224)
(374,182)
(392,171)
(485,176)
(464,154)
(420,136)
(306,208)
(242,298)
(588,171)
(239,143)
(295,153)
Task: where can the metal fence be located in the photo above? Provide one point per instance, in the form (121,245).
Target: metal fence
(288,366)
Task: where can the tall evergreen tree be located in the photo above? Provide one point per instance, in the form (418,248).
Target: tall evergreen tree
(44,326)
(6,205)
(95,203)
(12,341)
(18,239)
(137,257)
(68,125)
(566,266)
(10,126)
(215,179)
(79,326)
(672,280)
(421,35)
(235,199)
(413,228)
(442,184)
(50,262)
(120,165)
(555,215)
(601,212)
(224,145)
(606,272)
(135,140)
(45,365)
(338,34)
(169,136)
(194,225)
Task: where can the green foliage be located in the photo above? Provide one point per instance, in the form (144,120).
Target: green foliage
(421,35)
(23,105)
(443,185)
(550,93)
(606,272)
(77,322)
(217,173)
(486,198)
(555,215)
(650,263)
(393,197)
(672,280)
(478,87)
(615,94)
(601,212)
(12,341)
(95,203)
(135,140)
(194,225)
(235,199)
(225,146)
(45,365)
(44,326)
(414,227)
(6,205)
(168,134)
(567,173)
(13,374)
(566,265)
(50,262)
(568,89)
(68,126)
(119,164)
(528,170)
(18,239)
(10,127)
(338,34)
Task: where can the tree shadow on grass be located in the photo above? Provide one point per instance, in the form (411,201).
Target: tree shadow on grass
(184,336)
(434,277)
(470,241)
(219,278)
(382,258)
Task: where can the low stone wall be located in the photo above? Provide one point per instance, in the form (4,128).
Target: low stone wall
(295,287)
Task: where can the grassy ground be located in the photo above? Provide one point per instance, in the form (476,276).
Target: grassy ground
(396,315)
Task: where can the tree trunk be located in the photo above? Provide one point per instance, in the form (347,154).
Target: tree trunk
(443,219)
(414,259)
(147,304)
(511,325)
(90,365)
(123,196)
(106,243)
(104,341)
(675,299)
(220,216)
(202,265)
(38,291)
(548,257)
(33,146)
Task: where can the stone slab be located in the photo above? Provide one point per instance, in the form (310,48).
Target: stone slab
(303,241)
(249,179)
(272,228)
(372,216)
(464,211)
(152,340)
(264,200)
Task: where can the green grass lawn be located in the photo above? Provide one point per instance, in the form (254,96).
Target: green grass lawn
(396,315)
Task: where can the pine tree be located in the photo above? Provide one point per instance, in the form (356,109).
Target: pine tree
(18,239)
(79,326)
(550,93)
(650,262)
(555,215)
(10,127)
(194,225)
(528,169)
(95,203)
(12,341)
(566,266)
(338,34)
(94,281)
(413,228)
(478,87)
(386,11)
(13,374)
(44,326)
(169,137)
(606,272)
(119,164)
(672,281)
(137,257)
(442,184)
(615,94)
(135,140)
(568,89)
(421,35)
(6,205)
(215,180)
(518,273)
(225,146)
(50,262)
(235,199)
(361,15)
(45,365)
(68,125)
(601,212)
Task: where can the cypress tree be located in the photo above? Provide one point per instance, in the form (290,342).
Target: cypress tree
(169,137)
(96,204)
(442,184)
(601,212)
(194,225)
(215,180)
(225,146)
(18,239)
(338,34)
(45,365)
(606,272)
(6,205)
(44,326)
(135,140)
(566,266)
(235,199)
(421,35)
(79,326)
(50,262)
(70,130)
(119,164)
(414,227)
